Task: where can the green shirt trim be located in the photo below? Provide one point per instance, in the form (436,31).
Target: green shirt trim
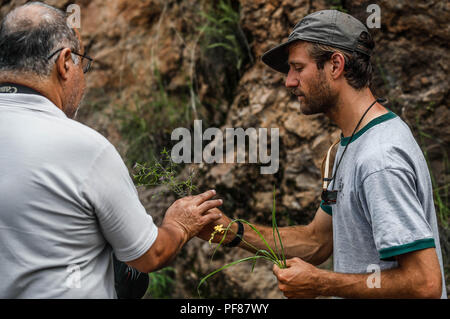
(326,208)
(388,253)
(380,119)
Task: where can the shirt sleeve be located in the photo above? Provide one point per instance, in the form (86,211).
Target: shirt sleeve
(391,204)
(123,220)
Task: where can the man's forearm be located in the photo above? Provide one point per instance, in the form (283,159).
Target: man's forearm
(312,242)
(393,283)
(298,241)
(169,242)
(418,275)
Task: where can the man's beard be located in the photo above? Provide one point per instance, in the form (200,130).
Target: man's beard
(74,104)
(320,98)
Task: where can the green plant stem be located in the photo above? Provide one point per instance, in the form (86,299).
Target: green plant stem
(275,228)
(274,256)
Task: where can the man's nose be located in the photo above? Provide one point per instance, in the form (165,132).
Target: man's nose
(291,81)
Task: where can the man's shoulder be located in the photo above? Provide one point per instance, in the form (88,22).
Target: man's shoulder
(86,134)
(41,122)
(389,146)
(68,133)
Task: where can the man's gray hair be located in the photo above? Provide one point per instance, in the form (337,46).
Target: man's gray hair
(30,34)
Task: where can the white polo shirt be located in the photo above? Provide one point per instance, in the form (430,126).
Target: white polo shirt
(66,203)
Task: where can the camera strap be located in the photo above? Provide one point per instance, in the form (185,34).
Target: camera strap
(326,162)
(13,88)
(326,166)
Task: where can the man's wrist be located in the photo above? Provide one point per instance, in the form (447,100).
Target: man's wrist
(331,283)
(231,234)
(177,231)
(238,234)
(322,280)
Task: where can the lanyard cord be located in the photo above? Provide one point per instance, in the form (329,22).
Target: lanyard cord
(351,137)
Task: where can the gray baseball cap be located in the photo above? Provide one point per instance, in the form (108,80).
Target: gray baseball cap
(328,27)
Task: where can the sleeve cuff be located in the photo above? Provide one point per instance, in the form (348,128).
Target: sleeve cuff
(150,240)
(388,253)
(327,209)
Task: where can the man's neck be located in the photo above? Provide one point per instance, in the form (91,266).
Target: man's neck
(350,108)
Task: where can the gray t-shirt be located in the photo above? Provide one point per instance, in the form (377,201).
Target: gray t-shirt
(385,203)
(66,203)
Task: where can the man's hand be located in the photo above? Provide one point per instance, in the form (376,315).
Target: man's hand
(182,221)
(190,214)
(206,232)
(299,280)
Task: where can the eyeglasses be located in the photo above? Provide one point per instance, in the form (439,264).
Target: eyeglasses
(86,61)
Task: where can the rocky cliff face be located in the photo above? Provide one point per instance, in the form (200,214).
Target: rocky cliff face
(142,47)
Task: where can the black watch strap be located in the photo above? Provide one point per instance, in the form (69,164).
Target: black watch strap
(240,233)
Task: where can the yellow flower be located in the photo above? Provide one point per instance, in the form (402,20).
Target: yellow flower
(217,229)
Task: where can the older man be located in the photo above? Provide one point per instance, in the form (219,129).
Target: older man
(67,201)
(377,212)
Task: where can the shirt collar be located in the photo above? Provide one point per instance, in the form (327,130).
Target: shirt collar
(32,102)
(380,119)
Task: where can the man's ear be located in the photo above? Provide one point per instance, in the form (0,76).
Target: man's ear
(337,63)
(64,63)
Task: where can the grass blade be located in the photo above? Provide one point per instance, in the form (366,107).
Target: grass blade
(255,230)
(225,267)
(275,229)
